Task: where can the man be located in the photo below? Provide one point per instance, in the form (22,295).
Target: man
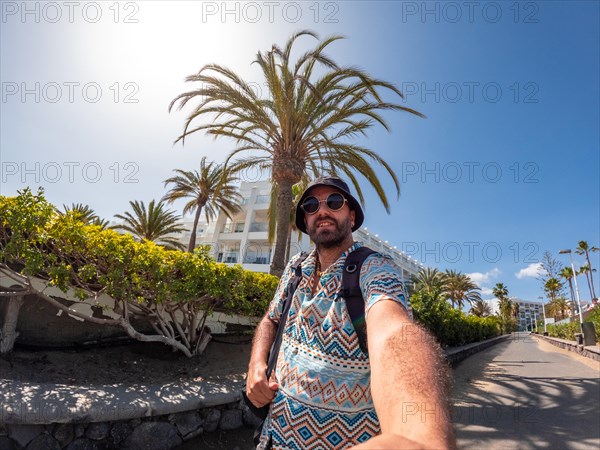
(326,392)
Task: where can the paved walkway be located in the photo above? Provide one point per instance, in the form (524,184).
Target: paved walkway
(527,394)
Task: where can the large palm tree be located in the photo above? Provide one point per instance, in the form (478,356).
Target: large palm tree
(584,248)
(585,270)
(505,305)
(558,308)
(154,224)
(567,274)
(429,280)
(211,189)
(481,309)
(459,288)
(86,214)
(306,125)
(552,287)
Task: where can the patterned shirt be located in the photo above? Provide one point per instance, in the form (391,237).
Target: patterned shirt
(324,397)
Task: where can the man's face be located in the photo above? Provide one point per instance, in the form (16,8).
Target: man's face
(328,228)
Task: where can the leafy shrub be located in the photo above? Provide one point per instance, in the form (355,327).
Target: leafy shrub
(450,326)
(173,290)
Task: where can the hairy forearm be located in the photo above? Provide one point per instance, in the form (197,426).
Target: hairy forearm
(408,359)
(263,339)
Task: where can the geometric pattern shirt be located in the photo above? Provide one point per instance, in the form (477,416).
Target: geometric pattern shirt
(324,396)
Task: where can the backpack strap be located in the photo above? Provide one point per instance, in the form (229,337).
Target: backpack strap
(352,293)
(288,293)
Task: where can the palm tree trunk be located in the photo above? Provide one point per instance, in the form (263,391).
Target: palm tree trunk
(572,297)
(587,277)
(288,245)
(192,244)
(593,291)
(284,206)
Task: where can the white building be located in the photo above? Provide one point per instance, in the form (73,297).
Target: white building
(244,240)
(529,313)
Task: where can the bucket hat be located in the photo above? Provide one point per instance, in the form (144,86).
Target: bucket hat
(341,186)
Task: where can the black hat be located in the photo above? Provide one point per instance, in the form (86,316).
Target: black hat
(339,185)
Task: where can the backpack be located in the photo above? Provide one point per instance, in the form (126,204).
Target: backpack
(350,290)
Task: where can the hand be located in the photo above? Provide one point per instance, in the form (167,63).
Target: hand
(259,390)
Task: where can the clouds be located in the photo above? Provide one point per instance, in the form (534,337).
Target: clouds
(485,278)
(480,278)
(531,271)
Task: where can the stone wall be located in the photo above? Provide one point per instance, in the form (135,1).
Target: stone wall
(158,432)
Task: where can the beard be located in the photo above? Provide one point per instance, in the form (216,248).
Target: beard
(326,238)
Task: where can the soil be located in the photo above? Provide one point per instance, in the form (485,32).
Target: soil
(131,362)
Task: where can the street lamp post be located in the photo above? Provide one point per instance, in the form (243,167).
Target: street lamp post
(544,312)
(576,286)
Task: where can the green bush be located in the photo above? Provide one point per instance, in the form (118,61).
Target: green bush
(568,330)
(564,331)
(173,290)
(450,326)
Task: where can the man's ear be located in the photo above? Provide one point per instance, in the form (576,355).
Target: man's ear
(352,217)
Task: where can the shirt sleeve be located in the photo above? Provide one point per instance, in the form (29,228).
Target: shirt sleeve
(276,306)
(381,278)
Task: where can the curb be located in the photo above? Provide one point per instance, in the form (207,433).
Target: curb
(591,351)
(28,403)
(454,355)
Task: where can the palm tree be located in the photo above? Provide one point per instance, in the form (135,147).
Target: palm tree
(584,248)
(154,224)
(567,274)
(585,270)
(86,214)
(505,305)
(431,281)
(481,309)
(459,287)
(500,291)
(558,308)
(297,191)
(210,189)
(552,287)
(306,125)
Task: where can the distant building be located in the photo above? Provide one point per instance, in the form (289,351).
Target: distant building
(529,313)
(244,239)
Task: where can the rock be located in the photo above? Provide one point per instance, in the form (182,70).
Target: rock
(211,419)
(153,436)
(187,422)
(119,432)
(83,444)
(97,431)
(24,434)
(44,442)
(79,430)
(6,443)
(231,419)
(135,422)
(193,434)
(64,433)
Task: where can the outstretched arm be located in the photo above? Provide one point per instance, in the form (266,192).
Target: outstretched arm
(259,390)
(409,382)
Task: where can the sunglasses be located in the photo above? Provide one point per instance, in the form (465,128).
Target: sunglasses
(334,202)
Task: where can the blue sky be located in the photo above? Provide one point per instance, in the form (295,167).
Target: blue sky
(504,167)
